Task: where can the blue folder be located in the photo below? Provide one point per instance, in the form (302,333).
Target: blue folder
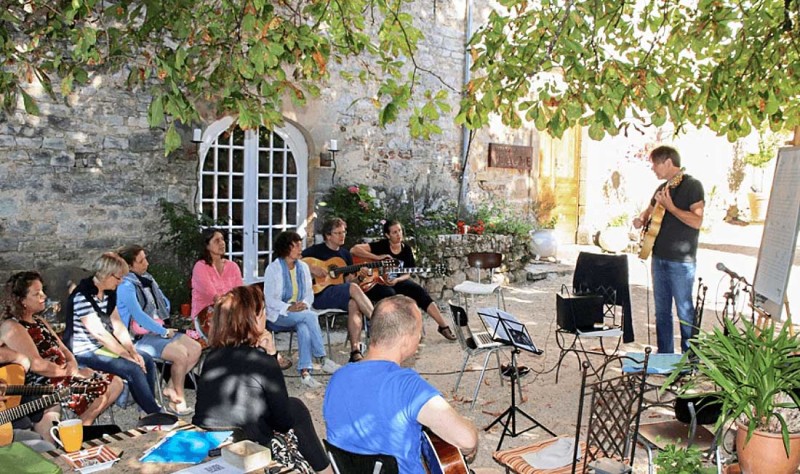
(185,447)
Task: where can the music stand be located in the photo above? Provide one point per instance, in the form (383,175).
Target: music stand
(506,329)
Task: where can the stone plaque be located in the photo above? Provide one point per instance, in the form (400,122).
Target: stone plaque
(510,156)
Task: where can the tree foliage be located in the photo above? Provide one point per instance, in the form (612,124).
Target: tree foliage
(730,65)
(242,57)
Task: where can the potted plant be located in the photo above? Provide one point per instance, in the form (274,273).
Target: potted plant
(767,150)
(543,239)
(756,375)
(676,460)
(735,178)
(614,238)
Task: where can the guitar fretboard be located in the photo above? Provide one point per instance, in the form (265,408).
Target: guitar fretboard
(30,390)
(16,413)
(355,268)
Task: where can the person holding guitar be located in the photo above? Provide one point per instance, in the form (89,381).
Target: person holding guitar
(346,296)
(51,362)
(680,199)
(379,407)
(393,247)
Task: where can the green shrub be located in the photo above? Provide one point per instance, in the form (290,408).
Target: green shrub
(358,207)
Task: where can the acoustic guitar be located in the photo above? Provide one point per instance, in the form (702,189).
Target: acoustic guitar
(336,268)
(9,411)
(382,277)
(441,457)
(653,225)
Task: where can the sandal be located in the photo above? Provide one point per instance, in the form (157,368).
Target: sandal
(284,362)
(447,333)
(179,409)
(356,356)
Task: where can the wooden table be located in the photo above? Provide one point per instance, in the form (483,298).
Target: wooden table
(131,445)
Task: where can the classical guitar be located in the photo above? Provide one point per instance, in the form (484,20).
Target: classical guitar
(16,374)
(653,225)
(441,457)
(336,268)
(382,277)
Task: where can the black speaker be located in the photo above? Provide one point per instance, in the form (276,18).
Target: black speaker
(579,311)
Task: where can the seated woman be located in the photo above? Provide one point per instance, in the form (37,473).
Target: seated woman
(51,363)
(289,296)
(242,385)
(393,247)
(99,339)
(213,276)
(143,308)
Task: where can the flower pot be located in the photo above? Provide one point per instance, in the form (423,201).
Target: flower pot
(614,239)
(758,206)
(544,243)
(764,453)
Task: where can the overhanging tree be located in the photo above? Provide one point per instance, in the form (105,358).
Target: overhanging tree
(730,65)
(243,57)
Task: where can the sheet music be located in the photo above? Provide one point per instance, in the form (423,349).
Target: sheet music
(776,254)
(496,322)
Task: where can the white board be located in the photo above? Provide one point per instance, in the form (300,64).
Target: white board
(779,240)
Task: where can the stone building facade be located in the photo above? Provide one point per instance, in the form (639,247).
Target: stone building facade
(86,174)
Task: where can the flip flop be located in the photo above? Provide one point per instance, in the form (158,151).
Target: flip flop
(179,409)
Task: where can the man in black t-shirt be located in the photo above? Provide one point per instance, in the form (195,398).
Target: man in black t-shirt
(346,296)
(675,248)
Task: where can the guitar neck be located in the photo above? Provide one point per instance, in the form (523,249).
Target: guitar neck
(30,389)
(410,270)
(359,266)
(25,409)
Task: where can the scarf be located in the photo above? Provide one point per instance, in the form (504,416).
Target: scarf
(89,290)
(287,281)
(153,301)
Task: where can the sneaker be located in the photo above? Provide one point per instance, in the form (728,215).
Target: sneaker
(308,381)
(329,366)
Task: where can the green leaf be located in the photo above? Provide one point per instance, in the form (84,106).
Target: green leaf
(155,112)
(172,140)
(29,102)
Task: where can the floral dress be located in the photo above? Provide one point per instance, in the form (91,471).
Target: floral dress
(85,391)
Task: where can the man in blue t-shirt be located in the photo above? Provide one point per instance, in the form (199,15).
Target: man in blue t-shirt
(379,407)
(346,296)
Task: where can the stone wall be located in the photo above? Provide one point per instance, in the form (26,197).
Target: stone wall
(451,251)
(83,177)
(86,174)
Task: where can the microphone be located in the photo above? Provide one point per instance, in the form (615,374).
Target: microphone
(721,267)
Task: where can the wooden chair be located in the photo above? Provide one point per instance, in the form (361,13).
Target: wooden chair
(614,401)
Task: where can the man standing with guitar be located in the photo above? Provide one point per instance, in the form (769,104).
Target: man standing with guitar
(680,200)
(346,296)
(379,407)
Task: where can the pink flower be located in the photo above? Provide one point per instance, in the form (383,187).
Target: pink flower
(363,205)
(353,189)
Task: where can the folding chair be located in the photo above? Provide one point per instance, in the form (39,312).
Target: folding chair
(482,261)
(473,344)
(614,402)
(345,462)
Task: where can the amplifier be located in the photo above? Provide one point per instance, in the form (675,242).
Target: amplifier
(579,311)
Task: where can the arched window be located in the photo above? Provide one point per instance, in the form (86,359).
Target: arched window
(257,182)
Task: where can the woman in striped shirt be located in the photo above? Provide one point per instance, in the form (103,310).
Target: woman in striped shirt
(98,337)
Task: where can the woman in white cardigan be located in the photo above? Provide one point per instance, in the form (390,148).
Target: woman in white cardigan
(289,296)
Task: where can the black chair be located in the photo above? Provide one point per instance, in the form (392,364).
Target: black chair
(345,462)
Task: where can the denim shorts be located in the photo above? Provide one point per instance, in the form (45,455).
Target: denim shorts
(153,344)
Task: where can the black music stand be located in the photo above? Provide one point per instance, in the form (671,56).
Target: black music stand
(506,329)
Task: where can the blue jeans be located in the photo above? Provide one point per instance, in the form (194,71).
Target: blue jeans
(673,281)
(309,335)
(141,385)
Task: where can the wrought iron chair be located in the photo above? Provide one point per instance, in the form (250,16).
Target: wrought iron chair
(469,344)
(574,338)
(614,401)
(490,261)
(345,462)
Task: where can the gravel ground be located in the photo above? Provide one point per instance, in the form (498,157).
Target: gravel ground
(533,302)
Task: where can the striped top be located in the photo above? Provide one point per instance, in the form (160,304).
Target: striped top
(82,340)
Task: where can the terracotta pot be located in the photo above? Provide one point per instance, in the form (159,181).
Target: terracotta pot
(186,310)
(764,453)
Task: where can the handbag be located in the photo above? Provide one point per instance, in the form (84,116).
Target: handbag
(286,452)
